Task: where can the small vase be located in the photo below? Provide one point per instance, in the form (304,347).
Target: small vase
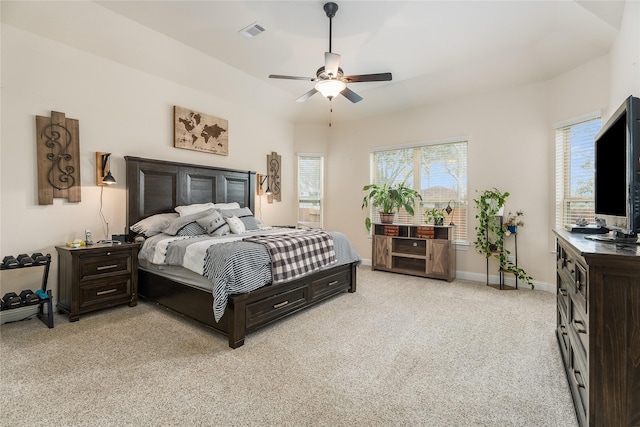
(512,229)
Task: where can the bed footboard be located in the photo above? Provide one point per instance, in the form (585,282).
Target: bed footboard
(250,311)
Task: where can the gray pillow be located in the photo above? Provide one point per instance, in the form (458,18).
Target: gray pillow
(179,223)
(245,215)
(214,224)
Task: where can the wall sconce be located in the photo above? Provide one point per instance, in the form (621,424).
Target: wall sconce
(261,180)
(449,210)
(103,172)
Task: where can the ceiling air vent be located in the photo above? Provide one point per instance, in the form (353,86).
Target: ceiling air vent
(252,30)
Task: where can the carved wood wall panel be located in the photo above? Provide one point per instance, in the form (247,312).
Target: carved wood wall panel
(58,158)
(274,162)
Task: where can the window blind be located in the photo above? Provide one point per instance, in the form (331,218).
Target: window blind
(575,160)
(437,171)
(310,176)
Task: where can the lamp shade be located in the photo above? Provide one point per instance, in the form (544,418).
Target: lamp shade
(330,88)
(109,179)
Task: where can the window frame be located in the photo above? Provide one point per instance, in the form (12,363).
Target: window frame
(563,182)
(461,203)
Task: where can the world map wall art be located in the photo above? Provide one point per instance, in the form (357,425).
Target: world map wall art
(200,132)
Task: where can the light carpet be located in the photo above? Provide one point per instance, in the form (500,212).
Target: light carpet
(401,351)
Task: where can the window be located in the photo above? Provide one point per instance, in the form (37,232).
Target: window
(438,171)
(310,167)
(575,170)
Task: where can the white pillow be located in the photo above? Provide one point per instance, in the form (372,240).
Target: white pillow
(236,225)
(214,224)
(192,209)
(154,224)
(224,206)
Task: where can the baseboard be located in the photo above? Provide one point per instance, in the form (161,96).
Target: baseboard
(482,278)
(13,315)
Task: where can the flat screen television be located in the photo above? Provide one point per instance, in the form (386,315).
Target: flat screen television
(617,172)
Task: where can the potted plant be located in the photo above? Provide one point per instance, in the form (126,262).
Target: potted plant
(389,199)
(436,215)
(510,225)
(490,234)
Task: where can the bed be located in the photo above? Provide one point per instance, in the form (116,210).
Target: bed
(156,187)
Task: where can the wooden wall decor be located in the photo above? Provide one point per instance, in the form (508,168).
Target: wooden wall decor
(275,174)
(200,132)
(58,158)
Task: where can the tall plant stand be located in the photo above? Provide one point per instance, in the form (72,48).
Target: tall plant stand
(501,271)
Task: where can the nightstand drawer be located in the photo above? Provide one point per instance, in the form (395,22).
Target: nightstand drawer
(108,262)
(101,291)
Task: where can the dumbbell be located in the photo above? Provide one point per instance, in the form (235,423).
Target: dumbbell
(25,260)
(42,294)
(10,262)
(11,300)
(28,297)
(39,259)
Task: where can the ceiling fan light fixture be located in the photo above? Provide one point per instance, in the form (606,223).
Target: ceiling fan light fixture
(330,88)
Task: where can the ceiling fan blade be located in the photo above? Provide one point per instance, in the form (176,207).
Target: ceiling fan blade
(307,95)
(276,76)
(380,77)
(351,95)
(331,63)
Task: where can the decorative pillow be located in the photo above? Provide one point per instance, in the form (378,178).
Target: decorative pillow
(191,229)
(214,224)
(193,209)
(177,224)
(236,225)
(153,224)
(225,206)
(245,215)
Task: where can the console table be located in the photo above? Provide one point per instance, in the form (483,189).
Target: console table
(419,250)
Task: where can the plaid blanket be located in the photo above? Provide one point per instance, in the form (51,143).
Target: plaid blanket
(294,255)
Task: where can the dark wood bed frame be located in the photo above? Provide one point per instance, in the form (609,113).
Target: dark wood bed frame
(157,186)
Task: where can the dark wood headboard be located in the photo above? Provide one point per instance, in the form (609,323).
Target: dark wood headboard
(158,186)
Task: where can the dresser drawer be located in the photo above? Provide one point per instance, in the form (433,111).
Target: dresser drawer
(579,326)
(332,284)
(109,262)
(102,291)
(578,377)
(268,309)
(563,335)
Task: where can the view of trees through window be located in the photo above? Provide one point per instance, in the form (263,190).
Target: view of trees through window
(438,172)
(310,190)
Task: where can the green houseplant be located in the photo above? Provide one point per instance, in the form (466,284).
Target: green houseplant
(389,199)
(436,215)
(490,234)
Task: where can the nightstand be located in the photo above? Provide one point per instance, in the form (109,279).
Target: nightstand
(95,277)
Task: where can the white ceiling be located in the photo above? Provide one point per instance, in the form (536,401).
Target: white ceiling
(434,49)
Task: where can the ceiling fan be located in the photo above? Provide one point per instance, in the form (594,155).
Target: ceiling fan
(330,79)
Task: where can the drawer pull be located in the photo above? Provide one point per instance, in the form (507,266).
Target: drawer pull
(578,383)
(563,292)
(282,304)
(110,291)
(106,267)
(579,330)
(335,282)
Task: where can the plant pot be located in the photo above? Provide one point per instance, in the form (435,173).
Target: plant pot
(438,221)
(387,218)
(512,229)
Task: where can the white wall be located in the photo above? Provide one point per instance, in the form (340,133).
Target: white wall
(121,110)
(625,58)
(511,147)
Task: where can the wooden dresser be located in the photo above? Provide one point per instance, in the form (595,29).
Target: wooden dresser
(95,277)
(598,328)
